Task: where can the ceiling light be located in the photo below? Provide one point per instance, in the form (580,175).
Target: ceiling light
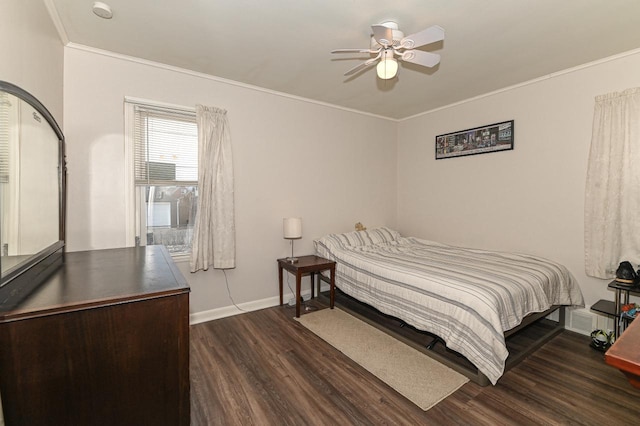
(387,67)
(102,10)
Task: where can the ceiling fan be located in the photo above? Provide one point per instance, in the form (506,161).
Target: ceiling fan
(389,43)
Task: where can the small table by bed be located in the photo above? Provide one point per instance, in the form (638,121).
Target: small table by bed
(308,265)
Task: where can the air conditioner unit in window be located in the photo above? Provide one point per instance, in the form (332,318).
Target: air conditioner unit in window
(161,171)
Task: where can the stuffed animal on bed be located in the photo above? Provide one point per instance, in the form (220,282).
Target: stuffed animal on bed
(360,227)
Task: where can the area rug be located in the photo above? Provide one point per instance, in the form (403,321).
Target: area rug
(417,377)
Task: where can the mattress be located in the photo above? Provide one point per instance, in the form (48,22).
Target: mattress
(467,297)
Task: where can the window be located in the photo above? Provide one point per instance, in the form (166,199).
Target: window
(164,141)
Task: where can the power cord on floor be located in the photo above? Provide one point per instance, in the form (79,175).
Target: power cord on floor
(307,308)
(304,303)
(289,285)
(224,271)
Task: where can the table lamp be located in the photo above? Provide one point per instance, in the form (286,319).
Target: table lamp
(292,230)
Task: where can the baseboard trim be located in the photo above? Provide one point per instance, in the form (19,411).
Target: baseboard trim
(242,308)
(228,311)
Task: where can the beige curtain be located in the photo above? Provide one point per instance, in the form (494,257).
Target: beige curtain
(214,241)
(612,196)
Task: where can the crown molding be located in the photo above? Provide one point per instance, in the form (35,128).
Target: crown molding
(217,79)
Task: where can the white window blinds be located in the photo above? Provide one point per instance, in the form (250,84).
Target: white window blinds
(165,145)
(4,137)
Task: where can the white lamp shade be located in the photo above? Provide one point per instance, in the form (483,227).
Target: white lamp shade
(292,227)
(387,68)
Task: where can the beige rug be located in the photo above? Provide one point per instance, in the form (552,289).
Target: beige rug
(422,380)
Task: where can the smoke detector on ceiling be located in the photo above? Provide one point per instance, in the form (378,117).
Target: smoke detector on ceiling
(102,10)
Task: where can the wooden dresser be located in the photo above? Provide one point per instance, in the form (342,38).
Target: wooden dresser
(104,340)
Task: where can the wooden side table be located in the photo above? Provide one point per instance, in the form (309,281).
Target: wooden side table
(308,265)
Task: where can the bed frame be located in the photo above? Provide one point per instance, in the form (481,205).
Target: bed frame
(534,331)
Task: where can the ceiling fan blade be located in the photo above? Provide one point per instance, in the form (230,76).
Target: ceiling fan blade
(426,59)
(357,68)
(362,66)
(383,35)
(430,35)
(354,51)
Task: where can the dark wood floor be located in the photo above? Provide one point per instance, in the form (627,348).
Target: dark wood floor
(264,368)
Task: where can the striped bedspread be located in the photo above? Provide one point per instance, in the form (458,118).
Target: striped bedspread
(467,297)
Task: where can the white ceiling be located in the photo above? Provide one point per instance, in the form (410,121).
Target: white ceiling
(284,45)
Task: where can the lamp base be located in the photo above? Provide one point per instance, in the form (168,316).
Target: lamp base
(292,259)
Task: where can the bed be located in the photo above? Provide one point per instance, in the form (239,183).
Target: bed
(468,297)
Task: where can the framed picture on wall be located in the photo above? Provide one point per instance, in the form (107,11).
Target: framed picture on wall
(479,140)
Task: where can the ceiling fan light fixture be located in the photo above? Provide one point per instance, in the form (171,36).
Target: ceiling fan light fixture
(389,43)
(387,68)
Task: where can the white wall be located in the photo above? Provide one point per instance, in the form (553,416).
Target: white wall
(31,52)
(329,166)
(530,199)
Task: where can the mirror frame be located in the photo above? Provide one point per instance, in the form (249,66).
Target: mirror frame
(20,280)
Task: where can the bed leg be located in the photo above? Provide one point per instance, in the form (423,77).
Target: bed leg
(434,342)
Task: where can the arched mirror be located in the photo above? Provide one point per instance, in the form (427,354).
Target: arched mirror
(32,192)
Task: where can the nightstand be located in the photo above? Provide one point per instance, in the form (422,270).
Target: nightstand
(308,265)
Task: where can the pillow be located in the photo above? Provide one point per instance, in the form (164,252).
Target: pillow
(360,238)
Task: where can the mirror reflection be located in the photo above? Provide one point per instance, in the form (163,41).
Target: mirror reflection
(29,183)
